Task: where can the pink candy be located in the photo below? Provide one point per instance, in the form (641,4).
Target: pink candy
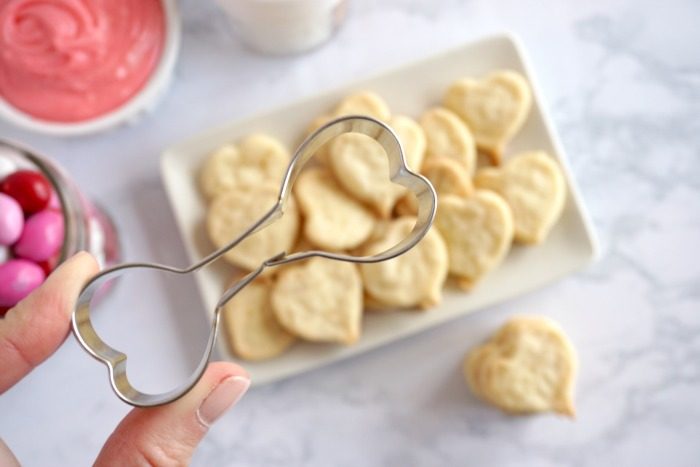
(54,201)
(11,220)
(31,232)
(18,277)
(42,236)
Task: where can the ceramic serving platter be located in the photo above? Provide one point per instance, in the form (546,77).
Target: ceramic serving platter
(409,90)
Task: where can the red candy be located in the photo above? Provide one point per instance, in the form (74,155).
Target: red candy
(30,189)
(3,310)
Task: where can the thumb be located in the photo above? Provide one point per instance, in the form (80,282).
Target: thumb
(169,434)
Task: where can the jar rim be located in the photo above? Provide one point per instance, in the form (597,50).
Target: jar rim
(53,175)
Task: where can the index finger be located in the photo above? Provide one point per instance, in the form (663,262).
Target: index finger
(36,326)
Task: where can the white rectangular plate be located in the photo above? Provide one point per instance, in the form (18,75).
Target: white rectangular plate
(409,90)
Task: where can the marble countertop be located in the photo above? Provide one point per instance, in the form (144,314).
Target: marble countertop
(622,80)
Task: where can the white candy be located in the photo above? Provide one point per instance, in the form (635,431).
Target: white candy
(7,165)
(4,254)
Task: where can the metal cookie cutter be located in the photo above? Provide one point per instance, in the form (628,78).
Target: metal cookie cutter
(398,172)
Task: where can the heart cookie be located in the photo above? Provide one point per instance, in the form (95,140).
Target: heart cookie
(528,366)
(252,329)
(447,136)
(533,185)
(363,103)
(448,178)
(333,220)
(412,139)
(321,155)
(478,231)
(494,108)
(320,300)
(317,123)
(257,159)
(231,213)
(412,279)
(362,168)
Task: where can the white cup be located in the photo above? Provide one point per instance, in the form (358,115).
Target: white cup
(282,27)
(143,101)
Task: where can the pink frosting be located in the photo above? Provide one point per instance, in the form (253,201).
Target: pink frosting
(73,60)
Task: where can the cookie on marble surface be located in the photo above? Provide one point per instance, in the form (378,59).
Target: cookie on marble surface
(494,108)
(319,300)
(233,212)
(533,185)
(251,326)
(528,366)
(412,279)
(478,231)
(258,158)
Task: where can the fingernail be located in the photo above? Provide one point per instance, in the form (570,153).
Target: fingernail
(221,398)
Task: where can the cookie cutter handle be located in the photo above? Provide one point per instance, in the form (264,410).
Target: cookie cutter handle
(116,360)
(399,173)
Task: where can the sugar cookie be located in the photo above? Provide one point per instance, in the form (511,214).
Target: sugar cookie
(412,279)
(320,300)
(448,136)
(528,366)
(361,166)
(363,103)
(317,123)
(447,176)
(251,327)
(231,213)
(533,185)
(333,220)
(406,205)
(494,108)
(258,159)
(412,139)
(478,231)
(372,305)
(321,155)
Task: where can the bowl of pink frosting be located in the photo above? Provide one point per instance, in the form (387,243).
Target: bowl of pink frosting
(72,67)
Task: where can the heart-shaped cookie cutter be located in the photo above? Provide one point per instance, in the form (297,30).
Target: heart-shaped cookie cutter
(398,172)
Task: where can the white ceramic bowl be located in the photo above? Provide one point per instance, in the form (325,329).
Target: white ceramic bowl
(129,112)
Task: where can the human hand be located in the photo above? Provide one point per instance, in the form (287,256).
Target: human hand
(165,435)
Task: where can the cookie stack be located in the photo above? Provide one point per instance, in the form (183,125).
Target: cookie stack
(346,202)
